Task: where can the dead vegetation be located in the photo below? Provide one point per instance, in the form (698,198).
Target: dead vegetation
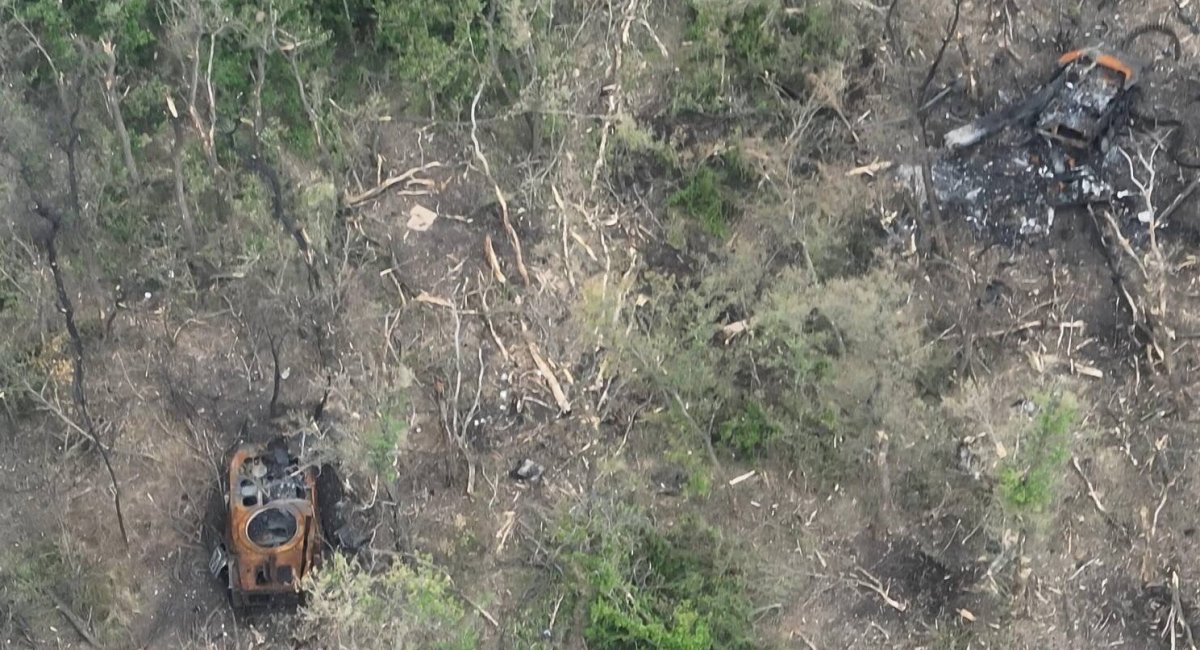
(619,325)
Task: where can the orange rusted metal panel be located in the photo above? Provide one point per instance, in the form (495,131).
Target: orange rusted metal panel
(1104,58)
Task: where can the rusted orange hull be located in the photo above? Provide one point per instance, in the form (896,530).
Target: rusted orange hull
(274,535)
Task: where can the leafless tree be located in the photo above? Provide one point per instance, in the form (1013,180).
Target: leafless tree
(110,87)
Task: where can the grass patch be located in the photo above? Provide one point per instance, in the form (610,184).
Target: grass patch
(707,195)
(703,200)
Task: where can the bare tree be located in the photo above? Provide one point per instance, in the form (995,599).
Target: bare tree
(70,100)
(193,28)
(109,84)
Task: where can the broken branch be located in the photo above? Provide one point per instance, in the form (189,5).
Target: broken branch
(870,582)
(560,397)
(487,171)
(78,623)
(408,177)
(1095,497)
(494,263)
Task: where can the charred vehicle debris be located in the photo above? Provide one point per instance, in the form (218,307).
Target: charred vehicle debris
(1069,145)
(272,529)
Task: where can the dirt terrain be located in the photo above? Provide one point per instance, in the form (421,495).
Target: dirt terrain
(487,346)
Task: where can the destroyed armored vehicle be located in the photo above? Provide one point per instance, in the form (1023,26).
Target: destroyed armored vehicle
(1095,83)
(1051,151)
(1075,108)
(272,535)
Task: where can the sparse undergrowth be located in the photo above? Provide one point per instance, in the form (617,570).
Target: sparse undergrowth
(39,580)
(824,366)
(399,607)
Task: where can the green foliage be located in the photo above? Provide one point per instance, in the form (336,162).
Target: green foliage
(401,607)
(373,451)
(702,199)
(616,626)
(132,26)
(708,196)
(435,45)
(123,218)
(845,355)
(631,145)
(748,431)
(49,21)
(750,40)
(645,587)
(824,364)
(143,107)
(735,45)
(813,35)
(685,455)
(1028,482)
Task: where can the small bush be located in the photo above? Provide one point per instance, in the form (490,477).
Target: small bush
(748,432)
(1027,483)
(645,587)
(735,46)
(707,196)
(402,607)
(702,199)
(813,35)
(373,451)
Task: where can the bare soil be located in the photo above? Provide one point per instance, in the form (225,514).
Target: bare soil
(181,374)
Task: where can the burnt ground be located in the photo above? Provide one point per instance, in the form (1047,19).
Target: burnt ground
(180,375)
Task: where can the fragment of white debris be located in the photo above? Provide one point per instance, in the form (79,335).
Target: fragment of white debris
(964,136)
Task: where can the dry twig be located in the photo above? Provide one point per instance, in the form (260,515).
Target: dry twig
(408,178)
(1095,496)
(490,253)
(867,581)
(78,623)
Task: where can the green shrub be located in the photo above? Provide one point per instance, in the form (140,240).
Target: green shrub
(751,40)
(686,457)
(748,432)
(708,195)
(435,46)
(401,607)
(646,587)
(373,451)
(702,199)
(734,46)
(813,35)
(1028,482)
